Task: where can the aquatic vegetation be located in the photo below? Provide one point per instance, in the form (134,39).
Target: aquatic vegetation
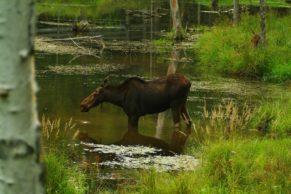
(224,121)
(56,133)
(228,49)
(141,157)
(82,69)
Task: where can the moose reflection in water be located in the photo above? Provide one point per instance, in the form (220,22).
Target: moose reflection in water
(138,97)
(134,138)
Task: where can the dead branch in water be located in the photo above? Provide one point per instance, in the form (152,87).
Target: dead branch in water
(75,38)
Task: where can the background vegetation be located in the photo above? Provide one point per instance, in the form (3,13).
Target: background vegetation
(228,49)
(273,3)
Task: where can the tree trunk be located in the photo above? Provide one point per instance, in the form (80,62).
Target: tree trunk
(20,170)
(214,5)
(263,23)
(176,21)
(235,11)
(175,55)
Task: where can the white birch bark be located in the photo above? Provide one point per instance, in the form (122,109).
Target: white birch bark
(20,170)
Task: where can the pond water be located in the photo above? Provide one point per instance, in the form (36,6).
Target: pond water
(62,90)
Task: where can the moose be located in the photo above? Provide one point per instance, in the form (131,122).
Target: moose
(138,97)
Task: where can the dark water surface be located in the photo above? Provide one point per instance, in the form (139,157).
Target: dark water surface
(62,90)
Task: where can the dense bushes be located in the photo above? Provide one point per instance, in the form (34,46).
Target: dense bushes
(228,49)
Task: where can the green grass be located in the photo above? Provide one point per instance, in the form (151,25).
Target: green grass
(274,117)
(230,161)
(271,3)
(227,49)
(91,9)
(63,177)
(246,166)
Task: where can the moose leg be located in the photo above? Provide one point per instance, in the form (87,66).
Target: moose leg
(133,123)
(176,117)
(186,117)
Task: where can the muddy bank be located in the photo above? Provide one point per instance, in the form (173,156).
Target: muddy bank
(95,45)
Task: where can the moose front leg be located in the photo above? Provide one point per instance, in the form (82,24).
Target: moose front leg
(176,117)
(133,123)
(186,118)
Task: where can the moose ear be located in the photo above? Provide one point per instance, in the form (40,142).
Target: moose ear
(105,82)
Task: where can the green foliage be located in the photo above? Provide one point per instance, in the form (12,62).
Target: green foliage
(228,49)
(92,9)
(271,3)
(249,166)
(61,176)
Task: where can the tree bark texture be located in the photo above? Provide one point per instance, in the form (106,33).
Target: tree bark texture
(176,20)
(235,11)
(20,169)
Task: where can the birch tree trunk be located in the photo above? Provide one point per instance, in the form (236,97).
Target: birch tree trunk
(171,70)
(20,170)
(235,11)
(263,23)
(176,20)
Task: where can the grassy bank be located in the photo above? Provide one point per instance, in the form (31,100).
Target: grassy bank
(247,166)
(89,9)
(62,175)
(228,49)
(236,156)
(242,149)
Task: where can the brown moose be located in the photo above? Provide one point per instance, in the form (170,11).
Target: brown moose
(138,97)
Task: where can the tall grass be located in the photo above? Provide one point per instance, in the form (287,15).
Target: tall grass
(224,121)
(274,117)
(62,176)
(227,49)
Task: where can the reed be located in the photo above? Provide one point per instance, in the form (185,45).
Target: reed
(224,121)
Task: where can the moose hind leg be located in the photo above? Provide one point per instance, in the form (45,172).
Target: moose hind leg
(133,123)
(186,118)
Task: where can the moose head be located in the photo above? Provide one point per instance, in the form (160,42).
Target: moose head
(95,98)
